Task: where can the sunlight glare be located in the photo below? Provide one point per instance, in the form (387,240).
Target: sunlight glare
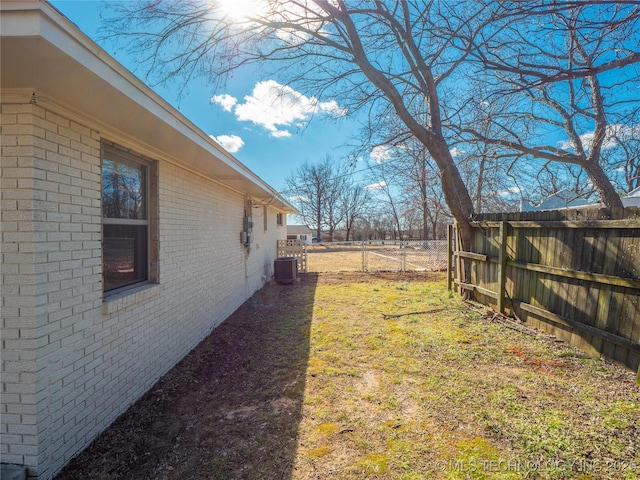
(241,9)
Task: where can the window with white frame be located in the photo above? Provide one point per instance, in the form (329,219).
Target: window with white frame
(126,219)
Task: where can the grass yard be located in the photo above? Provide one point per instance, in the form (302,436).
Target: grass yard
(328,378)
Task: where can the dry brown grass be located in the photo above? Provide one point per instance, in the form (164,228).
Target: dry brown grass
(323,259)
(311,381)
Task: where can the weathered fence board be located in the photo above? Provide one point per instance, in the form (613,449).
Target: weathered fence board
(572,273)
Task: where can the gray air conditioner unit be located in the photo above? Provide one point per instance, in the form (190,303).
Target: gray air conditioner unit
(285,269)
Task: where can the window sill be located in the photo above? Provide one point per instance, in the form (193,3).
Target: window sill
(121,300)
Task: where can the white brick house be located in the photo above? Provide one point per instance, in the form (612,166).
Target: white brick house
(122,243)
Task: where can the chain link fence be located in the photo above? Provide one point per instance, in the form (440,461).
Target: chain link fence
(379,255)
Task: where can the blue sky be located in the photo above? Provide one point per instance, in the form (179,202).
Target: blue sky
(269,135)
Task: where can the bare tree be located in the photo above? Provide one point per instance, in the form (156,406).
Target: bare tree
(422,190)
(366,53)
(561,65)
(336,208)
(419,192)
(381,223)
(385,191)
(413,188)
(486,167)
(308,187)
(622,155)
(318,190)
(355,199)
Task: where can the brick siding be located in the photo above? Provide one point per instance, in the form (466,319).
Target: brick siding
(72,362)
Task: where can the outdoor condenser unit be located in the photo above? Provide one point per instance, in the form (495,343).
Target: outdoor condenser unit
(285,269)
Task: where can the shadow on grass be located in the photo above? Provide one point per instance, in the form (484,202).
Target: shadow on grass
(229,410)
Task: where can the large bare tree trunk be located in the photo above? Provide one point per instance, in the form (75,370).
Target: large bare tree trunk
(455,191)
(608,194)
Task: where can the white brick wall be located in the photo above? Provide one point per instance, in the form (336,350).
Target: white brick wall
(71,362)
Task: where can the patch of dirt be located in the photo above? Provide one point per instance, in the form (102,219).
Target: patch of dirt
(369,382)
(229,409)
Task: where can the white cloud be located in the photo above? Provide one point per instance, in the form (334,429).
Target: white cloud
(380,153)
(614,134)
(455,152)
(277,107)
(376,186)
(333,109)
(231,143)
(515,190)
(281,134)
(225,100)
(298,198)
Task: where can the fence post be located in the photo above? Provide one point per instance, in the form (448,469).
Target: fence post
(403,255)
(449,255)
(502,265)
(305,259)
(458,260)
(364,266)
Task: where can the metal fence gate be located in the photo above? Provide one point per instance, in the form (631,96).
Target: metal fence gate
(404,256)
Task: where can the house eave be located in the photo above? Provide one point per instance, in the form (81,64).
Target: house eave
(41,50)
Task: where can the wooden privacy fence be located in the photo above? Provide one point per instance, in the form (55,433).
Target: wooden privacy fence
(572,273)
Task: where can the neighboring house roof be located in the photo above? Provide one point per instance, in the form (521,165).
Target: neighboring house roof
(299,230)
(634,193)
(561,199)
(568,199)
(48,60)
(632,199)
